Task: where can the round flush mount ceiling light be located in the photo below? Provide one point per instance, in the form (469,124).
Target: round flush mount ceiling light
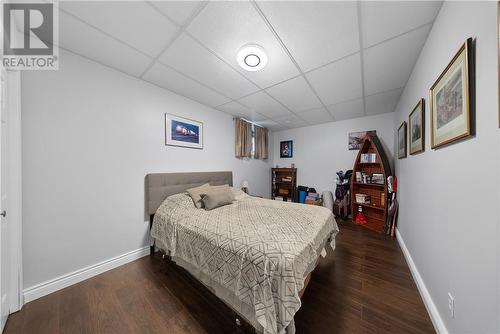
(252,57)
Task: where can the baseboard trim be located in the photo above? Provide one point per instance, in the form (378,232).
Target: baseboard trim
(437,321)
(77,276)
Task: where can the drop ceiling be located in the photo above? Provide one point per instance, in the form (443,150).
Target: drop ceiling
(328,61)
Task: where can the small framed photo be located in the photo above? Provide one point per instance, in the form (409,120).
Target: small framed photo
(402,141)
(183,132)
(416,125)
(452,99)
(286,149)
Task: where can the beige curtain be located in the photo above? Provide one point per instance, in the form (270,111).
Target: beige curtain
(243,139)
(261,143)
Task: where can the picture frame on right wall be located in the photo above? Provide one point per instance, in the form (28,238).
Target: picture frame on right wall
(402,141)
(452,99)
(416,126)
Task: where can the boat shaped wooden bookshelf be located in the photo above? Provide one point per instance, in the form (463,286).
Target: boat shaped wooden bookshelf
(376,210)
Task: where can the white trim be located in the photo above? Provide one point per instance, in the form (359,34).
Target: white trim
(64,281)
(14,190)
(437,321)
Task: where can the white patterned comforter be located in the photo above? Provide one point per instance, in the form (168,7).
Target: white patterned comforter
(258,249)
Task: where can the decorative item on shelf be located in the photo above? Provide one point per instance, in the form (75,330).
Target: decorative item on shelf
(360,217)
(416,124)
(402,141)
(286,149)
(293,165)
(363,199)
(452,99)
(244,186)
(356,139)
(377,178)
(368,158)
(184,132)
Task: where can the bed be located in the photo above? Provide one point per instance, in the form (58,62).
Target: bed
(255,254)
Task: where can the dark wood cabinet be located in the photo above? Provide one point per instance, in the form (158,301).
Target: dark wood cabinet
(371,160)
(284,183)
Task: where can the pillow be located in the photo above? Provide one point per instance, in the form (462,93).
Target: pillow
(217,198)
(223,188)
(196,192)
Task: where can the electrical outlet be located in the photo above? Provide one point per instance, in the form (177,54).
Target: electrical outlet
(451,304)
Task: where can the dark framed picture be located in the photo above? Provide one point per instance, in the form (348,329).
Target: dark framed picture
(416,125)
(452,99)
(356,139)
(402,141)
(286,149)
(184,132)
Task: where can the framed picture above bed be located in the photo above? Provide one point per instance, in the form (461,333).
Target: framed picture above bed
(183,132)
(286,149)
(416,125)
(452,99)
(402,141)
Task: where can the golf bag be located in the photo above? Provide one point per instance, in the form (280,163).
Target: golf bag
(342,205)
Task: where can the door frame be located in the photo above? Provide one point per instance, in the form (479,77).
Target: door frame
(14,189)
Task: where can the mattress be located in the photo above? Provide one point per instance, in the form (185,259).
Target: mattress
(254,254)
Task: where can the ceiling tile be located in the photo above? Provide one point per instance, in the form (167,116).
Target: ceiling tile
(382,103)
(388,65)
(167,78)
(291,121)
(177,11)
(226,26)
(128,21)
(338,81)
(315,32)
(347,110)
(190,58)
(272,125)
(264,104)
(238,110)
(88,42)
(386,19)
(295,94)
(316,116)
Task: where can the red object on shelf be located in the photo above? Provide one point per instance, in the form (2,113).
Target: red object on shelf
(360,217)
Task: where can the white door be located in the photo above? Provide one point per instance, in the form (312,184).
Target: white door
(4,241)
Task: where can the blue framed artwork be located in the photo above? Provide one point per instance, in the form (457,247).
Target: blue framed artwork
(286,149)
(183,132)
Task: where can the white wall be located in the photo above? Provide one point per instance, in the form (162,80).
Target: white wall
(90,135)
(320,151)
(449,197)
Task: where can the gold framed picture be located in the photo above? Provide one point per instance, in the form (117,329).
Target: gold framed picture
(416,125)
(402,141)
(451,99)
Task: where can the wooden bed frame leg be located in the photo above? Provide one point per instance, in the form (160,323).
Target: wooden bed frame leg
(152,250)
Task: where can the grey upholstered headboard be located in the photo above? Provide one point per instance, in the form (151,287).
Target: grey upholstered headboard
(161,185)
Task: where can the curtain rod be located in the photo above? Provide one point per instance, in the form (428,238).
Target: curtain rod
(246,120)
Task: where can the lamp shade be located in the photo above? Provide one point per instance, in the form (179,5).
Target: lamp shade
(244,184)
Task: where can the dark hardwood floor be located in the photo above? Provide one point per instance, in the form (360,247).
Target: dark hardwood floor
(363,287)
